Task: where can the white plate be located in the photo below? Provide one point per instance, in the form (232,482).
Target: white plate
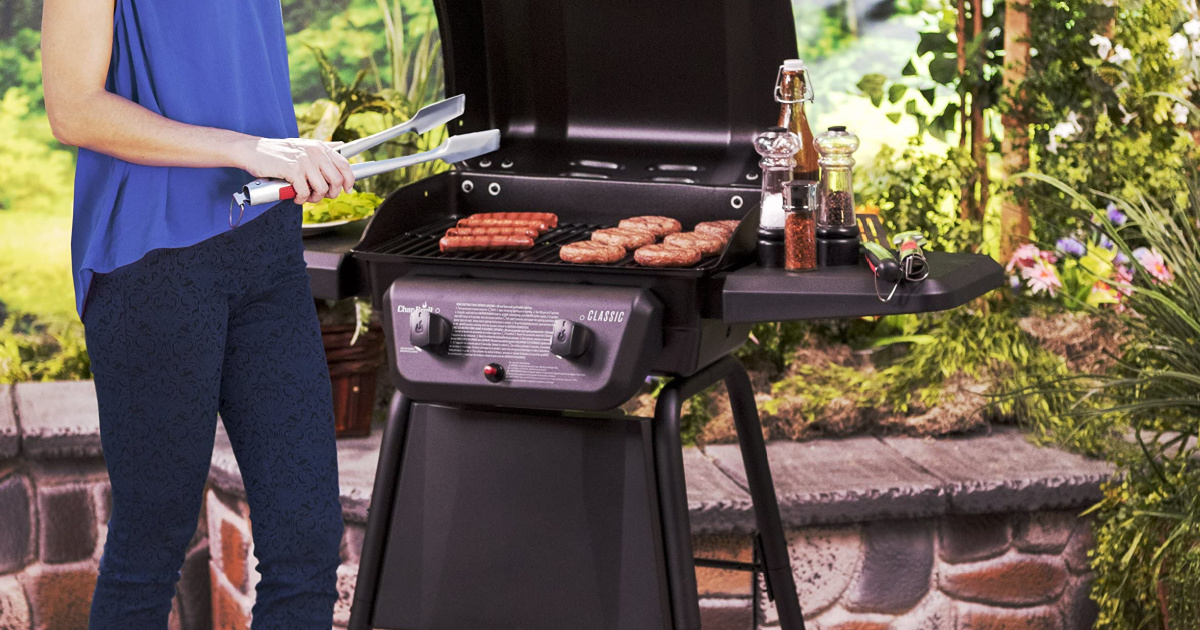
(315,229)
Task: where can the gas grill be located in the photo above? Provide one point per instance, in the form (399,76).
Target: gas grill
(509,493)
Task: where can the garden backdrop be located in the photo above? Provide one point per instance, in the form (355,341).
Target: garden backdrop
(1059,137)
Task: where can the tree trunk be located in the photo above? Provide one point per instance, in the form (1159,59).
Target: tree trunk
(960,32)
(1014,214)
(978,127)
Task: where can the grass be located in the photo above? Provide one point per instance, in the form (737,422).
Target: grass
(35,263)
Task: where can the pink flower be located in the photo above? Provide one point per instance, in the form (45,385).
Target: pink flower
(1154,263)
(1041,276)
(1025,256)
(1123,280)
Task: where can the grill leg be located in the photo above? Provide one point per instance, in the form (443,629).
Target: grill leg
(672,494)
(673,506)
(379,514)
(777,564)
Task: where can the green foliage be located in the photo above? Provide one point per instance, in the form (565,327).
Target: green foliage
(1098,122)
(1147,560)
(36,350)
(917,190)
(1147,555)
(983,344)
(17,15)
(933,71)
(355,39)
(21,66)
(347,207)
(299,14)
(36,174)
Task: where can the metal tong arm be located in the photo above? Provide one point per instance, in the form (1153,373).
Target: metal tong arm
(454,149)
(428,118)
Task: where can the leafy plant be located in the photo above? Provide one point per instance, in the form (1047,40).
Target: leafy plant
(37,350)
(1147,560)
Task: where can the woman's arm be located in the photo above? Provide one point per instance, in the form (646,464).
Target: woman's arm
(76,49)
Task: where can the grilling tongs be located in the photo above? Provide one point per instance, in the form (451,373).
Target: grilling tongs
(454,149)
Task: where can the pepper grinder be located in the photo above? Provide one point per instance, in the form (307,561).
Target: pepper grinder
(778,148)
(837,227)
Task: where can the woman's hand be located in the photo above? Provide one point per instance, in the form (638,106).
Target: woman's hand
(314,168)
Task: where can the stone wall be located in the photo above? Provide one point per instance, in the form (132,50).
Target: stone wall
(965,534)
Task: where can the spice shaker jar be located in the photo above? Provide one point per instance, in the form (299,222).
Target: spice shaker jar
(778,148)
(837,227)
(800,236)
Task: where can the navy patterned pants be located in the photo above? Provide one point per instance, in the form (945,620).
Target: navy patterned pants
(227,325)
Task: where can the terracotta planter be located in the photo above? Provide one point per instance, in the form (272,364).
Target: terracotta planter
(352,372)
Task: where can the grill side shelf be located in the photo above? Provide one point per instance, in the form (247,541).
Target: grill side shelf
(753,294)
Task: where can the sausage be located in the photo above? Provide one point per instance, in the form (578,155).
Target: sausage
(492,231)
(472,221)
(484,243)
(549,218)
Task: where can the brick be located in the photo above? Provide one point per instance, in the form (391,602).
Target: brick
(228,610)
(935,612)
(14,608)
(1078,609)
(973,617)
(234,551)
(16,531)
(10,437)
(973,537)
(1082,541)
(102,499)
(347,575)
(857,625)
(824,560)
(60,594)
(68,523)
(1013,580)
(352,543)
(718,582)
(896,568)
(58,419)
(726,614)
(193,592)
(1044,532)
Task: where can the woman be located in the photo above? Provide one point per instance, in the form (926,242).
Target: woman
(174,105)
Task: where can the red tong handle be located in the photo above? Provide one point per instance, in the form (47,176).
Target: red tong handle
(287,192)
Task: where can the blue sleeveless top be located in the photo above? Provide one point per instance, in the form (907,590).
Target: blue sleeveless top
(215,63)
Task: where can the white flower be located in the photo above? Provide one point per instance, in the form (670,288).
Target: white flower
(1196,48)
(1121,54)
(1192,28)
(1063,131)
(1103,45)
(1179,44)
(1127,117)
(1180,111)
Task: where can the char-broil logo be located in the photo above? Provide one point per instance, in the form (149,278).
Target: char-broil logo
(400,308)
(604,316)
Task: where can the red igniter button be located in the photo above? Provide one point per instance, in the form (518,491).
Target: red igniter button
(493,372)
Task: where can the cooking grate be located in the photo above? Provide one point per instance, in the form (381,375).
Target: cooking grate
(422,244)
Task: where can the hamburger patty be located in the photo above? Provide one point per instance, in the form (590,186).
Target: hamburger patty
(628,238)
(591,252)
(666,256)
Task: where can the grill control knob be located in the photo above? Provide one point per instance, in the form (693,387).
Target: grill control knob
(427,330)
(570,339)
(493,372)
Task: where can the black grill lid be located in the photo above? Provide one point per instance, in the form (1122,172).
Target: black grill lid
(667,90)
